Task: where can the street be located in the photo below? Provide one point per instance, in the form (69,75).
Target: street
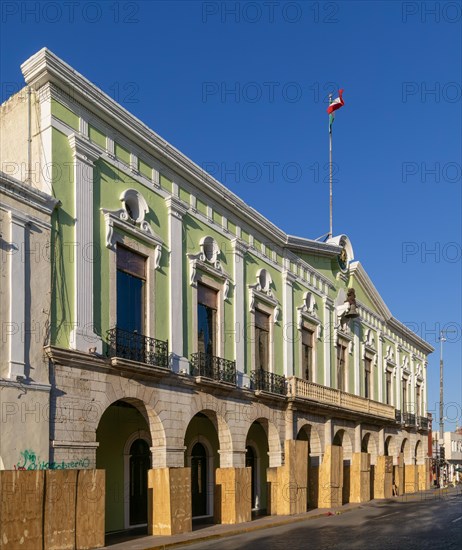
(431,521)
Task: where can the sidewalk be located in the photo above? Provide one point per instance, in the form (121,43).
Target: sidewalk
(209,532)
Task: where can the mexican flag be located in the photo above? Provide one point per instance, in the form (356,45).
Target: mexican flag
(333,106)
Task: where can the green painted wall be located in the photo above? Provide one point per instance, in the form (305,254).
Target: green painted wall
(144,169)
(194,230)
(184,196)
(122,153)
(362,296)
(63,249)
(63,114)
(253,265)
(109,183)
(298,296)
(96,136)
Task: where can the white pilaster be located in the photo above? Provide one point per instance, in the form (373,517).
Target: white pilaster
(288,322)
(381,441)
(239,250)
(424,389)
(328,335)
(380,367)
(83,336)
(176,211)
(328,432)
(17,276)
(43,180)
(398,381)
(358,438)
(412,397)
(357,356)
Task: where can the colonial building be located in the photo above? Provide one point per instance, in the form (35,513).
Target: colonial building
(186,335)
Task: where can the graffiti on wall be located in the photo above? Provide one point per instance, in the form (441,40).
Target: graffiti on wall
(30,461)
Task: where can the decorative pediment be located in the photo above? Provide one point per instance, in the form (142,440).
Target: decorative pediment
(207,260)
(369,340)
(390,355)
(405,366)
(308,312)
(131,219)
(419,373)
(262,290)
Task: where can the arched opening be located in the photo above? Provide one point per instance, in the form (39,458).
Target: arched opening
(342,439)
(365,443)
(201,455)
(418,454)
(124,453)
(368,445)
(310,434)
(387,449)
(405,450)
(257,443)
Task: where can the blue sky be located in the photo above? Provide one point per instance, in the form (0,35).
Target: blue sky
(240,87)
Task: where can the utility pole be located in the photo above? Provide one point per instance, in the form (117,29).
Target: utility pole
(442,339)
(441,434)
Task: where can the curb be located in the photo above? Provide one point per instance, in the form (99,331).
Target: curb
(249,529)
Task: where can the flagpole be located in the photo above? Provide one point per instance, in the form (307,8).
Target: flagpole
(330,175)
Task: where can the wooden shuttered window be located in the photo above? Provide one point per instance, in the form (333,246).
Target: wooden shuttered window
(131,262)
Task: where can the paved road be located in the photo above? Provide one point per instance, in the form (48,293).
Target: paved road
(417,524)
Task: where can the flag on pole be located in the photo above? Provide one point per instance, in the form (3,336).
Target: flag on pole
(333,106)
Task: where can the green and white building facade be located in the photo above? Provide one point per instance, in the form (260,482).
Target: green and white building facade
(185,330)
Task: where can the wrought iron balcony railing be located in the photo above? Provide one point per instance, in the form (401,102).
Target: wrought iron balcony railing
(137,347)
(216,368)
(423,422)
(398,415)
(409,419)
(268,381)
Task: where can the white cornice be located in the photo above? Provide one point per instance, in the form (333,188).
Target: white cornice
(307,245)
(45,66)
(357,271)
(27,194)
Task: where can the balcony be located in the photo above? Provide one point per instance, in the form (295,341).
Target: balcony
(423,422)
(262,380)
(398,416)
(409,419)
(303,389)
(133,346)
(215,368)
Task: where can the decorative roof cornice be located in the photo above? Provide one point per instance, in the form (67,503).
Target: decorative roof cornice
(307,245)
(45,66)
(27,194)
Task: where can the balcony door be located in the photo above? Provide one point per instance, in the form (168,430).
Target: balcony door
(131,280)
(341,366)
(307,354)
(261,341)
(206,320)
